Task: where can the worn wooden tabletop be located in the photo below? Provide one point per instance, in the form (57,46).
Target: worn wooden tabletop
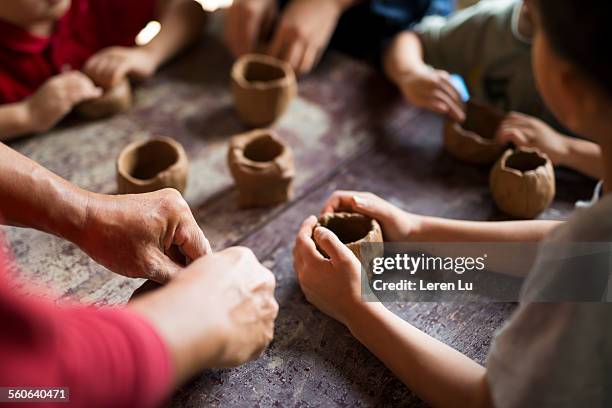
(349,129)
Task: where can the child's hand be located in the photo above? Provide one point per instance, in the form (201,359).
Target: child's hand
(397,225)
(432,89)
(111,65)
(56,98)
(333,285)
(246,22)
(527,131)
(304,32)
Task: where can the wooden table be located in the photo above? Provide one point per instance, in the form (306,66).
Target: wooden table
(349,130)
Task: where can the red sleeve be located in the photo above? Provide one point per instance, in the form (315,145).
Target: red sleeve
(119,21)
(107,357)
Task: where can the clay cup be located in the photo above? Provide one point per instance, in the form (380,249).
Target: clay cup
(473,141)
(353,230)
(263,87)
(151,165)
(523,182)
(262,166)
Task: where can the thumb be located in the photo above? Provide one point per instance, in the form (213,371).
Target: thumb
(191,241)
(338,253)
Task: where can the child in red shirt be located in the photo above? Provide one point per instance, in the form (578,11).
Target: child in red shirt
(44,43)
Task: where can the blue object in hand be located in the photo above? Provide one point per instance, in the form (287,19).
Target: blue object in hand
(460,86)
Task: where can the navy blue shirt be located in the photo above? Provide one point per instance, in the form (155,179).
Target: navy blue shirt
(406,13)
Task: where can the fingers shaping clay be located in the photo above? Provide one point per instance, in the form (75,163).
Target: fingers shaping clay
(151,165)
(353,230)
(114,100)
(523,182)
(473,141)
(262,166)
(263,87)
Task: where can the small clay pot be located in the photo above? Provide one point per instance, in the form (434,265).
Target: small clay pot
(353,230)
(523,182)
(262,166)
(151,165)
(263,87)
(114,100)
(473,141)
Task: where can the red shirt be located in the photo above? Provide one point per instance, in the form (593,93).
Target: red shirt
(107,357)
(27,60)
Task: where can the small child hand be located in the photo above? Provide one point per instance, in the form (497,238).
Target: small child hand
(111,65)
(333,285)
(432,89)
(56,98)
(246,21)
(526,131)
(304,32)
(397,225)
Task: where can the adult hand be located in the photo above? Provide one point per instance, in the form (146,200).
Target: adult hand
(134,235)
(218,313)
(526,131)
(246,22)
(56,98)
(304,31)
(397,225)
(111,65)
(333,285)
(432,89)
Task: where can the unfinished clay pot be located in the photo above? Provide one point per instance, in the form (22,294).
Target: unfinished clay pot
(115,100)
(263,87)
(523,182)
(151,165)
(262,166)
(473,140)
(353,230)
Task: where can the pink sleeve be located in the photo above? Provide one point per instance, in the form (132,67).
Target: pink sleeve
(107,357)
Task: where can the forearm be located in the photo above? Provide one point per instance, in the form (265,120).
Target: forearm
(440,375)
(404,56)
(583,156)
(181,21)
(14,120)
(434,229)
(32,196)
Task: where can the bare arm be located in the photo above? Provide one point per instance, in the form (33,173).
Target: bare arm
(181,21)
(32,196)
(404,57)
(439,374)
(583,156)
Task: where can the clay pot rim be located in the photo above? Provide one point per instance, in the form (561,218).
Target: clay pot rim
(510,152)
(239,67)
(469,134)
(182,156)
(242,160)
(374,225)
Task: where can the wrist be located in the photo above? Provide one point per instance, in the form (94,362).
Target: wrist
(24,116)
(362,315)
(565,153)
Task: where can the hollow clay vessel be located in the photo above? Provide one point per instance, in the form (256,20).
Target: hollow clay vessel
(151,165)
(262,166)
(523,182)
(114,100)
(473,140)
(263,87)
(353,230)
